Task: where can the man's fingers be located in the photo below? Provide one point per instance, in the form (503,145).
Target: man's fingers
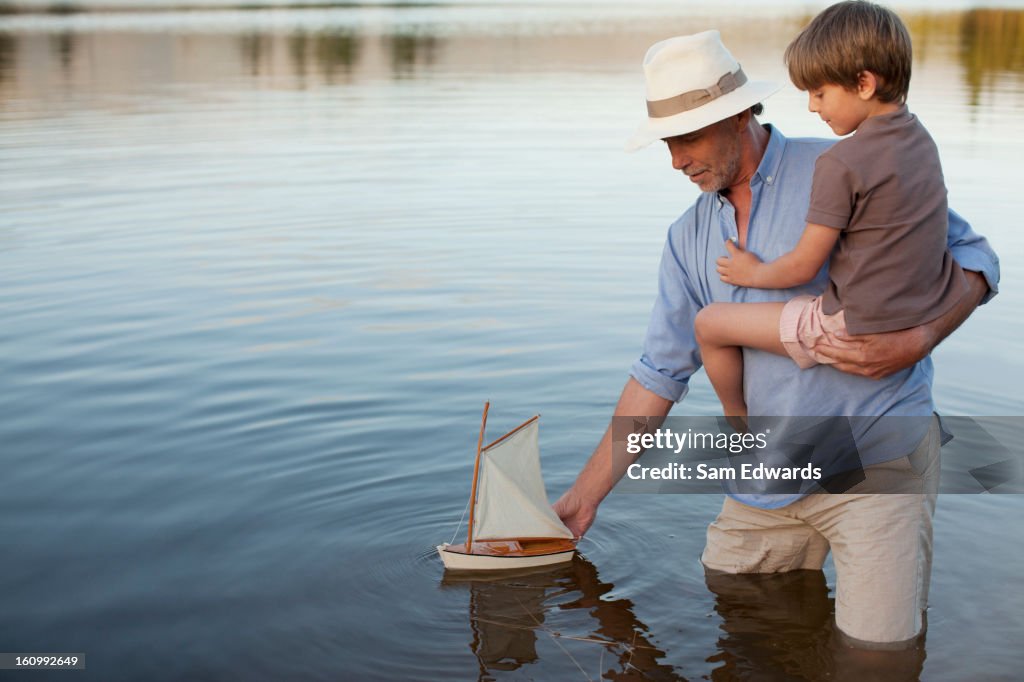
(851,368)
(851,355)
(847,342)
(870,372)
(731,247)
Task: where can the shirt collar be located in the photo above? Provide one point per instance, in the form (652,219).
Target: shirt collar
(768,169)
(901,115)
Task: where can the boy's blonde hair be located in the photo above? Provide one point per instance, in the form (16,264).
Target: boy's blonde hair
(848,38)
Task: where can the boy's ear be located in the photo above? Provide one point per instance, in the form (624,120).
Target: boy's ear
(867,84)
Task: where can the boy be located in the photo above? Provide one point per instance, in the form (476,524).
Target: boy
(879,194)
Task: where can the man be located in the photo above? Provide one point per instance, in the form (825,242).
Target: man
(755,185)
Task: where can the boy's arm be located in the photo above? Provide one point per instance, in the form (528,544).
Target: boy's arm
(743,269)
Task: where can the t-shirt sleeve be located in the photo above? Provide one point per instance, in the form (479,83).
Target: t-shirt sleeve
(832,193)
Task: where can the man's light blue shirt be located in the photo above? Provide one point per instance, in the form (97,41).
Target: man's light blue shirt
(774,385)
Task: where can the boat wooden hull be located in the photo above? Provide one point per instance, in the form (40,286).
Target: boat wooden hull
(506,555)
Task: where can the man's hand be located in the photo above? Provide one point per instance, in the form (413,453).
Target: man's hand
(740,267)
(575,514)
(878,355)
(578,506)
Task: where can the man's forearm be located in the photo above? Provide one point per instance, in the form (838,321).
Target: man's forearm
(943,326)
(880,355)
(610,461)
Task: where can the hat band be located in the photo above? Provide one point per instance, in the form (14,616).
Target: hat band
(694,99)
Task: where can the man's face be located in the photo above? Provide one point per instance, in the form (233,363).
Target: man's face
(710,157)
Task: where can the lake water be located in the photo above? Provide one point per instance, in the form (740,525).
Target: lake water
(260,268)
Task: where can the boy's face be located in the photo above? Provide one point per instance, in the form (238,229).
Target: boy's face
(842,109)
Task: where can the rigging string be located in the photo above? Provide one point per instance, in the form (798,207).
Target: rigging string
(460,523)
(483,427)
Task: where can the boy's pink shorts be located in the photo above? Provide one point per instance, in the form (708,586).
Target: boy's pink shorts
(803,324)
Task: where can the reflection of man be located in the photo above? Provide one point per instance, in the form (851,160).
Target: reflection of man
(760,611)
(756,185)
(507,612)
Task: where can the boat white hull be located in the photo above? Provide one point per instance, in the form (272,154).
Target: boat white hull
(456,561)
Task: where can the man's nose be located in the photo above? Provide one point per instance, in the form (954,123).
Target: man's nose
(680,160)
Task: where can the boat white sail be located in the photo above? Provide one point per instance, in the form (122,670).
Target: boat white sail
(511,523)
(511,501)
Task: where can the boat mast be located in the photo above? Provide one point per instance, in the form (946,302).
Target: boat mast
(476,475)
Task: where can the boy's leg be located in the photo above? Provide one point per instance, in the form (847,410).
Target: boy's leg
(721,330)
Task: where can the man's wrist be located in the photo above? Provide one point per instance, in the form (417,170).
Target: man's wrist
(931,336)
(587,496)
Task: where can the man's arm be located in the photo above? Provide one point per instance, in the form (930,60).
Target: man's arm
(879,355)
(578,506)
(658,378)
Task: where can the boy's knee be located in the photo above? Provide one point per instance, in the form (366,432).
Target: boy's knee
(704,321)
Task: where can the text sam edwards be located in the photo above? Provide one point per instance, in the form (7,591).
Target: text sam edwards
(706,472)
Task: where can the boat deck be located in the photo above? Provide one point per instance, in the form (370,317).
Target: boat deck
(516,547)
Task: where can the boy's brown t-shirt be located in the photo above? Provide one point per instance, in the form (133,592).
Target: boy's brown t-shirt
(883,188)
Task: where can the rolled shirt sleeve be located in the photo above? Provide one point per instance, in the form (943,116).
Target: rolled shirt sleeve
(972,252)
(671,354)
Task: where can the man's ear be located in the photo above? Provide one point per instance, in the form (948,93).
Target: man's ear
(867,84)
(743,119)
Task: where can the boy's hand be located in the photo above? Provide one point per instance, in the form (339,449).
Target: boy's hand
(740,268)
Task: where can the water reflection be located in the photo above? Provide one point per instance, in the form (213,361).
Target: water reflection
(991,45)
(63,45)
(780,626)
(986,43)
(336,52)
(254,48)
(508,612)
(408,52)
(775,626)
(7,56)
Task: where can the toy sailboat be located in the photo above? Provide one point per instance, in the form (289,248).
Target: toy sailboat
(511,524)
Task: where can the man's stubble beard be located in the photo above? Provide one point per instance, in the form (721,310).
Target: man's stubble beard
(725,175)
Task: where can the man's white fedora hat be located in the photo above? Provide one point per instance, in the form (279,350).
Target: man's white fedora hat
(692,82)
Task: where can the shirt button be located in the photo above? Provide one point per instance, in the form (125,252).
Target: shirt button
(769,179)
